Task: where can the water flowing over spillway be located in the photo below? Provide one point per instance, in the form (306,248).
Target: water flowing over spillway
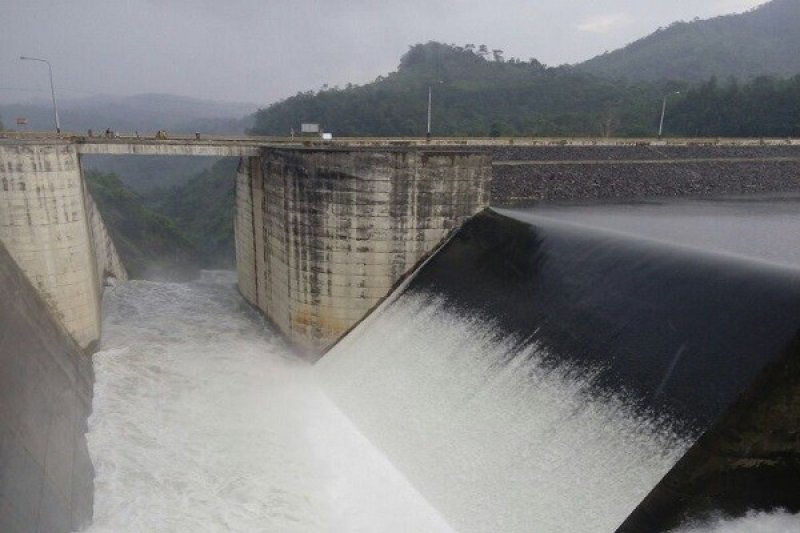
(535,374)
(499,439)
(204,421)
(541,376)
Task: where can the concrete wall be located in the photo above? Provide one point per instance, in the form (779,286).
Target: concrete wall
(107,261)
(749,461)
(46,476)
(53,231)
(323,235)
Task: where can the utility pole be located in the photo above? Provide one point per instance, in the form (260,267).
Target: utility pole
(663,112)
(52,88)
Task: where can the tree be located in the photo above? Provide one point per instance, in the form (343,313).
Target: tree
(507,98)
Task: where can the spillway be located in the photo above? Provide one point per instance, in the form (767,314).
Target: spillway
(543,371)
(204,420)
(539,374)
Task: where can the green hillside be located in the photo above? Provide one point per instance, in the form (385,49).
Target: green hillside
(764,107)
(760,42)
(149,244)
(204,208)
(475,92)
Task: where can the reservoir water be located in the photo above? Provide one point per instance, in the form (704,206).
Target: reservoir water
(447,409)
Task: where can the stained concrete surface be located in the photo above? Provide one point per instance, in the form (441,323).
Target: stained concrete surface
(46,476)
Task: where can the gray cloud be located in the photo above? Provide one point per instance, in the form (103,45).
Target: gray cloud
(263,50)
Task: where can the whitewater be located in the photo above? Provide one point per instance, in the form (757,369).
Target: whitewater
(204,420)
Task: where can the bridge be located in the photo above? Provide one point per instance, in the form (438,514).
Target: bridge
(324,231)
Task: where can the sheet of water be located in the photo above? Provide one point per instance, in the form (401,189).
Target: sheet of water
(495,438)
(761,228)
(204,421)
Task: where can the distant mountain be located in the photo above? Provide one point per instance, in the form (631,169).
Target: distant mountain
(475,92)
(144,113)
(763,41)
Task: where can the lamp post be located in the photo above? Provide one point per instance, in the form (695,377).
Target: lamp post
(663,112)
(52,88)
(430,100)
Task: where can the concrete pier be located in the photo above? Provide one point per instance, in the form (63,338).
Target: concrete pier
(322,235)
(51,228)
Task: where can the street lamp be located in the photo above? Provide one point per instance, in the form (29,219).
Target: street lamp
(52,88)
(430,99)
(663,111)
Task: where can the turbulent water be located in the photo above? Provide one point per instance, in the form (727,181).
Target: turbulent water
(495,438)
(778,522)
(204,421)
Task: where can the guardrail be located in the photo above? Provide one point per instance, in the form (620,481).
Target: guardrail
(151,137)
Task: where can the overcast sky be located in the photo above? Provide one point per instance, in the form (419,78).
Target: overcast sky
(263,50)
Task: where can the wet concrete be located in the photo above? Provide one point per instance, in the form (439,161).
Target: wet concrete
(46,476)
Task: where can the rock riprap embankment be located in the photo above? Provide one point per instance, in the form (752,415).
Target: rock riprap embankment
(542,173)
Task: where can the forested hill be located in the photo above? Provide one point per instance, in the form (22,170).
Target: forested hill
(475,92)
(763,41)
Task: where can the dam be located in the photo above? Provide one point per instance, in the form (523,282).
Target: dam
(575,368)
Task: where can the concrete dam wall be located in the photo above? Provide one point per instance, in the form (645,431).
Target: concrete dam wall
(53,230)
(519,340)
(322,235)
(46,476)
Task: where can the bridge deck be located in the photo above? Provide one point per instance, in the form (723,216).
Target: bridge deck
(237,146)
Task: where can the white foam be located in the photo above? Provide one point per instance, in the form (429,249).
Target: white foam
(777,522)
(204,421)
(515,447)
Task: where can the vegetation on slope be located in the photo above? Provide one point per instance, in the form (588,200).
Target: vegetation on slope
(765,107)
(149,244)
(474,93)
(762,41)
(204,207)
